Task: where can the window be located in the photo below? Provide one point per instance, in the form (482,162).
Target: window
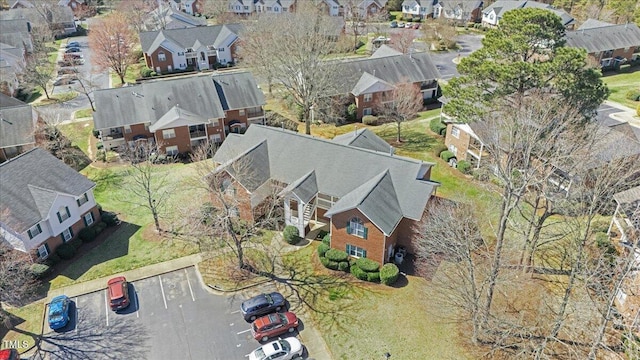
(34,231)
(161,56)
(63,214)
(455,132)
(67,234)
(88,218)
(453,149)
(356,227)
(181,53)
(241,112)
(43,251)
(127,129)
(220,49)
(83,199)
(491,16)
(368,97)
(366,111)
(146,126)
(356,251)
(168,134)
(171,150)
(246,8)
(227,187)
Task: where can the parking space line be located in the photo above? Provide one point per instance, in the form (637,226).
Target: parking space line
(106,307)
(189,282)
(162,290)
(135,299)
(77,319)
(243,331)
(235,312)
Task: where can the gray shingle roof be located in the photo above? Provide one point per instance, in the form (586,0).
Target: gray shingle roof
(291,156)
(593,23)
(605,38)
(199,95)
(628,196)
(500,7)
(17,122)
(177,117)
(365,139)
(187,38)
(304,188)
(28,183)
(385,50)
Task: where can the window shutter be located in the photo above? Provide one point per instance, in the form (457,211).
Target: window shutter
(365,233)
(70,233)
(364,253)
(78,202)
(68,213)
(348,227)
(59,217)
(29,233)
(62,236)
(84,218)
(46,246)
(39,228)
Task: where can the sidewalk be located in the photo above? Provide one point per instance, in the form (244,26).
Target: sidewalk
(131,275)
(627,114)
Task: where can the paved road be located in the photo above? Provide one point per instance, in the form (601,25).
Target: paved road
(444,60)
(172,316)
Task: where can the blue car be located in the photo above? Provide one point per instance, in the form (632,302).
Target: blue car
(59,312)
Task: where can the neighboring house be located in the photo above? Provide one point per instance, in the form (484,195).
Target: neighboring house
(79,7)
(608,44)
(626,236)
(198,48)
(492,14)
(370,203)
(16,33)
(369,80)
(179,114)
(462,10)
(43,203)
(330,7)
(191,7)
(463,142)
(370,7)
(418,9)
(168,19)
(275,6)
(62,19)
(18,123)
(242,7)
(12,64)
(21,4)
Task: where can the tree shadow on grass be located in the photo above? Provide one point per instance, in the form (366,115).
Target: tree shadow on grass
(413,139)
(114,245)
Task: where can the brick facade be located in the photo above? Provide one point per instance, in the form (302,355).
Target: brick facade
(374,244)
(153,62)
(54,241)
(461,142)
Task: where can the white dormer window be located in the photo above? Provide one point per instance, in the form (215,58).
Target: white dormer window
(63,214)
(83,199)
(368,97)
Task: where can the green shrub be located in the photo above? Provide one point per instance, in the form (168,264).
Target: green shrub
(291,234)
(373,277)
(99,145)
(370,120)
(52,259)
(66,251)
(336,255)
(324,261)
(367,265)
(96,133)
(322,249)
(358,273)
(482,174)
(87,234)
(145,72)
(110,218)
(464,167)
(343,266)
(446,155)
(99,227)
(389,274)
(437,126)
(438,149)
(327,240)
(75,242)
(39,270)
(352,112)
(333,265)
(633,95)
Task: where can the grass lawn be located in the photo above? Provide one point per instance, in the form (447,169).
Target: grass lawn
(83,113)
(620,84)
(78,133)
(31,318)
(133,72)
(371,319)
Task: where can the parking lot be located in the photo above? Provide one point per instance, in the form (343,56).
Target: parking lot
(171,316)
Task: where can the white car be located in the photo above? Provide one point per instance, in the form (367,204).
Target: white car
(284,349)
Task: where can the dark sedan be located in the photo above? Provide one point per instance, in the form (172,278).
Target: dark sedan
(262,304)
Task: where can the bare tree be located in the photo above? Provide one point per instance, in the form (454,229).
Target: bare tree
(298,43)
(87,86)
(112,42)
(399,105)
(148,186)
(37,73)
(442,33)
(218,10)
(16,280)
(402,41)
(138,12)
(354,19)
(257,52)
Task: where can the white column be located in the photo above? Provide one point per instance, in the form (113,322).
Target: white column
(301,218)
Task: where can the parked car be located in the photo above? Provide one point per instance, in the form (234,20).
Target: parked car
(262,304)
(393,24)
(416,26)
(72,50)
(67,70)
(118,289)
(64,80)
(285,349)
(59,312)
(73,44)
(400,24)
(273,325)
(9,354)
(70,56)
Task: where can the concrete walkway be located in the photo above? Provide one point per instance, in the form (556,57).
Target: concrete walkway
(626,114)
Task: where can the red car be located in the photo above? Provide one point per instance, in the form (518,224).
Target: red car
(118,289)
(273,325)
(9,354)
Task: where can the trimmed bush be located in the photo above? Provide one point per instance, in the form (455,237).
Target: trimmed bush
(438,149)
(370,120)
(343,266)
(633,95)
(96,133)
(437,126)
(464,167)
(327,240)
(447,155)
(76,242)
(373,277)
(336,255)
(322,250)
(66,251)
(352,112)
(389,274)
(100,227)
(367,265)
(358,273)
(110,218)
(145,72)
(99,145)
(39,270)
(52,259)
(333,265)
(324,261)
(87,234)
(291,234)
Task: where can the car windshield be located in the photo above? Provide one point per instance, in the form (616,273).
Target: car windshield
(56,318)
(269,299)
(56,308)
(285,345)
(260,353)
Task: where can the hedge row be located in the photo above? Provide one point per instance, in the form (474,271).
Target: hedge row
(362,268)
(437,126)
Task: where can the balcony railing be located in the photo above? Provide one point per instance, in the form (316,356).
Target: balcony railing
(252,114)
(113,136)
(197,134)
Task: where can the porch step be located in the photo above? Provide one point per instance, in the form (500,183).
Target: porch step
(307,213)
